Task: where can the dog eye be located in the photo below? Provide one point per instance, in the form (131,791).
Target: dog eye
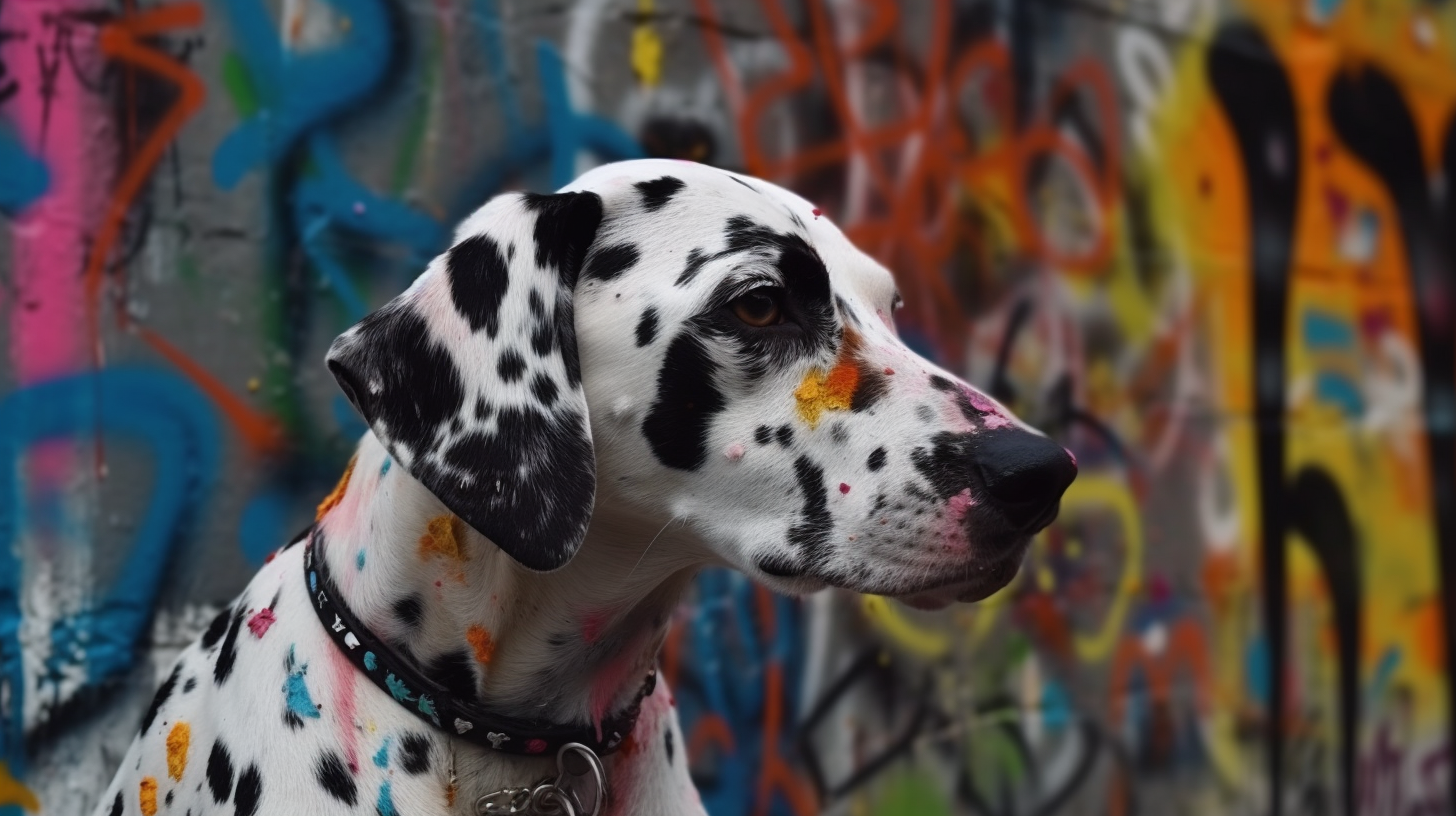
(760,307)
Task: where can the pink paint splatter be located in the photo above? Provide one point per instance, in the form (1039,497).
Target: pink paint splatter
(344,675)
(593,625)
(958,505)
(261,620)
(535,746)
(817,212)
(889,370)
(993,417)
(734,452)
(843,488)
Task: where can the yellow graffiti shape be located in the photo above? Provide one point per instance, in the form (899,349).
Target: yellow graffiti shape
(646,47)
(1110,494)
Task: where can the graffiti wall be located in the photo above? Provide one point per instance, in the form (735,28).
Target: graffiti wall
(1208,245)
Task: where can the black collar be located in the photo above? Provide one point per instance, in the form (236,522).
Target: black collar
(435,705)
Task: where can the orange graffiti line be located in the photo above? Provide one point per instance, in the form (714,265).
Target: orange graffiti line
(711,728)
(776,773)
(261,432)
(118,40)
(121,40)
(337,494)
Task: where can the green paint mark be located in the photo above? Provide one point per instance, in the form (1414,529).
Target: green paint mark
(910,793)
(239,84)
(407,162)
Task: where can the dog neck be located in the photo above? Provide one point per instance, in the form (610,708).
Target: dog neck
(570,646)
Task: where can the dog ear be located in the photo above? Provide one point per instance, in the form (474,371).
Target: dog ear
(471,377)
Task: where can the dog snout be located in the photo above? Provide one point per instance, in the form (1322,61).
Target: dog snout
(1024,474)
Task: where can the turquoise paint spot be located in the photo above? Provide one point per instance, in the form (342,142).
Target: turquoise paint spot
(397,688)
(427,708)
(381,758)
(359,560)
(385,805)
(295,690)
(384,468)
(1324,330)
(369,662)
(313,582)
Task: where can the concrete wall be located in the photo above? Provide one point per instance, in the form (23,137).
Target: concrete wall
(1207,245)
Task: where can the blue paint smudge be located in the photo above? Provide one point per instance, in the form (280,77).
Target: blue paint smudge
(385,805)
(369,662)
(381,757)
(397,688)
(359,560)
(384,468)
(295,690)
(23,178)
(427,708)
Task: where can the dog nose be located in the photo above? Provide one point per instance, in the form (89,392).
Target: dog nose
(1025,474)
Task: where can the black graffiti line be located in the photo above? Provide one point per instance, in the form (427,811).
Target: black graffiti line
(1258,101)
(1371,118)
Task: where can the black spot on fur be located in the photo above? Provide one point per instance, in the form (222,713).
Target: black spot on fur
(647,327)
(667,743)
(454,671)
(250,790)
(838,433)
(778,565)
(334,777)
(478,282)
(510,366)
(543,337)
(947,464)
(292,720)
(215,629)
(544,388)
(189,685)
(220,772)
(170,793)
(687,399)
(656,193)
(811,534)
(785,435)
(876,460)
(402,381)
(116,805)
(538,306)
(414,753)
(606,263)
(164,692)
(763,434)
(410,611)
(482,410)
(566,223)
(696,259)
(940,383)
(228,654)
(531,484)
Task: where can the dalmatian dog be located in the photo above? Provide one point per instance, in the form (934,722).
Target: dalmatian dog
(588,398)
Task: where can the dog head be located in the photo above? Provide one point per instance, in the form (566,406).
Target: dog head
(723,358)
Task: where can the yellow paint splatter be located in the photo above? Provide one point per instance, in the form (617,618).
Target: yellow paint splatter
(177,741)
(14,792)
(148,796)
(646,47)
(481,642)
(444,535)
(832,391)
(332,500)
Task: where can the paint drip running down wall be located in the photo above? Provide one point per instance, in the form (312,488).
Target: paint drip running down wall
(1207,246)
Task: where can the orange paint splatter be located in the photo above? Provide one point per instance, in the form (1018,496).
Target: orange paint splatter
(481,642)
(834,391)
(177,741)
(332,500)
(450,796)
(148,796)
(444,535)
